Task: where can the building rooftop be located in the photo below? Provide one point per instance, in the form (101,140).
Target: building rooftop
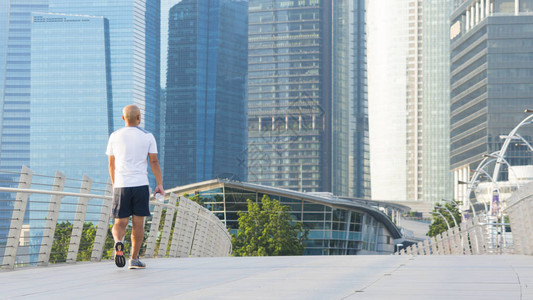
(371,207)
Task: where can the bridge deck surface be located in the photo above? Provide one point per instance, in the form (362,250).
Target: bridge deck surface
(304,277)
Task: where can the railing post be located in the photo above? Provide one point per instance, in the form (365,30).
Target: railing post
(19,209)
(79,220)
(440,245)
(51,220)
(200,234)
(103,225)
(185,226)
(169,217)
(427,247)
(154,229)
(178,227)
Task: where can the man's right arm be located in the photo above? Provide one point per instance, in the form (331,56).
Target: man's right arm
(112,168)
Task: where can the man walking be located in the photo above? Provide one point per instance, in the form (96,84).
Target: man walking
(129,150)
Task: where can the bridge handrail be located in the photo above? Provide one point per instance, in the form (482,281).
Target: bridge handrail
(474,236)
(196,231)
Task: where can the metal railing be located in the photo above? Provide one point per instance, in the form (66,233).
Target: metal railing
(520,211)
(70,221)
(473,237)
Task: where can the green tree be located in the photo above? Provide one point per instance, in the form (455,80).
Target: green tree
(438,225)
(196,198)
(61,242)
(267,229)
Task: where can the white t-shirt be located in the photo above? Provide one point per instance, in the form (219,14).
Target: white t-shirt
(130,146)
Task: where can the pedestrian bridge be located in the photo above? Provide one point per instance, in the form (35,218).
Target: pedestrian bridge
(297,277)
(187,255)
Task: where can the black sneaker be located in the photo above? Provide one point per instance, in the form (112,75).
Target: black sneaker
(120,260)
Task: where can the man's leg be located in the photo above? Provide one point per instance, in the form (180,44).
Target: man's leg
(137,235)
(119,229)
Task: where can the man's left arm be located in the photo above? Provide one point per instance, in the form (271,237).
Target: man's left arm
(156,169)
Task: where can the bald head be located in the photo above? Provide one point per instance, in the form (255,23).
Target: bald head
(131,114)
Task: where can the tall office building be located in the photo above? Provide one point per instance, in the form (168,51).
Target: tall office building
(71,78)
(411,156)
(15,36)
(15,82)
(206,91)
(387,89)
(308,118)
(428,174)
(491,82)
(134,28)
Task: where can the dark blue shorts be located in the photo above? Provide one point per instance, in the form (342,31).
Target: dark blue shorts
(129,201)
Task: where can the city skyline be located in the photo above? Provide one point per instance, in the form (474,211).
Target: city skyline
(326,129)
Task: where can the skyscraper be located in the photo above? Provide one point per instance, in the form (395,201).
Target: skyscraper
(411,153)
(15,61)
(388,36)
(206,91)
(15,82)
(428,174)
(491,72)
(308,119)
(134,28)
(71,78)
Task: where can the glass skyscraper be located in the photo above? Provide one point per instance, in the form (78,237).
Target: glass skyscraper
(70,80)
(410,100)
(491,82)
(15,37)
(387,87)
(205,135)
(134,27)
(428,174)
(70,95)
(308,117)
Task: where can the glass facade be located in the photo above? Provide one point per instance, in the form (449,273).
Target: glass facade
(387,54)
(307,104)
(333,229)
(15,37)
(434,169)
(70,78)
(205,135)
(410,58)
(134,27)
(491,86)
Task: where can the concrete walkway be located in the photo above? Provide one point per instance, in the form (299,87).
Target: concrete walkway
(309,277)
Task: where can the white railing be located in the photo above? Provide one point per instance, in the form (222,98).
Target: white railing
(473,237)
(520,211)
(37,223)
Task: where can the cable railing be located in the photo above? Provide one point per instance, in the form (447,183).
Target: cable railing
(52,219)
(474,236)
